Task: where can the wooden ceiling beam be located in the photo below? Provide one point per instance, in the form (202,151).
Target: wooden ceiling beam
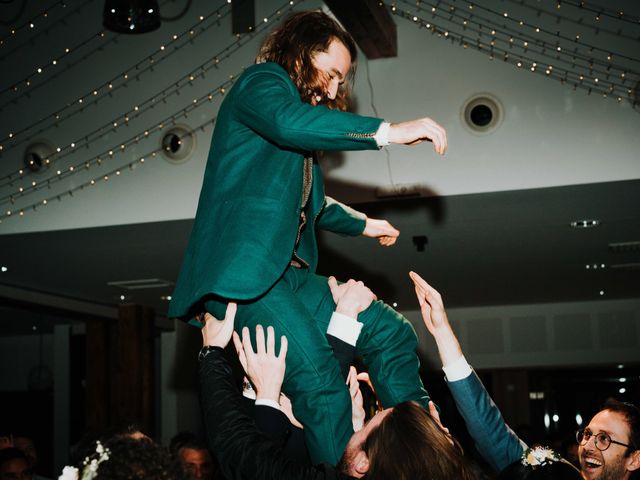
(370,24)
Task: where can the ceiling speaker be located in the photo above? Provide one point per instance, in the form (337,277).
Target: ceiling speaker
(482,113)
(178,143)
(38,155)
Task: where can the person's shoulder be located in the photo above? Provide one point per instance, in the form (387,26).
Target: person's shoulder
(269,67)
(266,71)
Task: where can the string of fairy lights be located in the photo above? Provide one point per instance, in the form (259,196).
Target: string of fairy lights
(96,94)
(39,79)
(60,173)
(598,10)
(137,110)
(34,21)
(42,24)
(103,177)
(519,38)
(54,62)
(538,29)
(97,160)
(525,45)
(163,51)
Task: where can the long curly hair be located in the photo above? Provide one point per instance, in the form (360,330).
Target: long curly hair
(293,45)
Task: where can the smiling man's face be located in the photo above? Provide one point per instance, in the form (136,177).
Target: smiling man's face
(612,463)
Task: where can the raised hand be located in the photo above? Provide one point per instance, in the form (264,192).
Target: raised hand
(357,409)
(264,367)
(216,332)
(436,321)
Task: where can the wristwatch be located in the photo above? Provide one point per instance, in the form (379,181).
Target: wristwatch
(206,350)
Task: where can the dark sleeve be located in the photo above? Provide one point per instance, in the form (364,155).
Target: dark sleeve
(242,451)
(276,425)
(496,442)
(343,352)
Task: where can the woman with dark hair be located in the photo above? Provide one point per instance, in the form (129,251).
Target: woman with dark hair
(254,241)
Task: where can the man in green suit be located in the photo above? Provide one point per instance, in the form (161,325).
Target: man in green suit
(253,239)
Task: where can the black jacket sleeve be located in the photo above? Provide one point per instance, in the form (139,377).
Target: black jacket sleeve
(343,352)
(282,432)
(243,452)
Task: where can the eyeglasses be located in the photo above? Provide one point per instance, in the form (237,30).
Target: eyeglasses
(602,440)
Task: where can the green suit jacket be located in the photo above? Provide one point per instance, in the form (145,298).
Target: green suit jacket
(249,209)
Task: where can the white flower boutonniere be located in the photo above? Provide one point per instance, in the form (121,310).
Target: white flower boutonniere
(90,465)
(69,473)
(538,456)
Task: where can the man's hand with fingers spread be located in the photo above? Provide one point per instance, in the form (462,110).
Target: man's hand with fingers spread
(264,367)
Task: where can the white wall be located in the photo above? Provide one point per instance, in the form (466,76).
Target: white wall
(551,135)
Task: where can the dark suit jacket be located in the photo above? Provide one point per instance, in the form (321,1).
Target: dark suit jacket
(244,452)
(249,208)
(496,442)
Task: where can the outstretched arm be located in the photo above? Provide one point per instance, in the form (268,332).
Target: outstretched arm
(339,218)
(497,443)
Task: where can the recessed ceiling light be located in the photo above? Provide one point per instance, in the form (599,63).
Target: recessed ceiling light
(587,223)
(395,305)
(622,390)
(601,292)
(4,269)
(122,297)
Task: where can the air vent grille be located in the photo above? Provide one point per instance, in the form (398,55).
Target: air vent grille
(141,284)
(627,266)
(624,247)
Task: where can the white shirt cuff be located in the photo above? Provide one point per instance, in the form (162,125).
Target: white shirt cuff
(382,135)
(457,370)
(268,403)
(345,328)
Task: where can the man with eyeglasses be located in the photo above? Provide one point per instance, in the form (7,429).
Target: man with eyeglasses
(609,445)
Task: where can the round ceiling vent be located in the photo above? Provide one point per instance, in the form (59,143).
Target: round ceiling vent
(38,155)
(482,113)
(178,143)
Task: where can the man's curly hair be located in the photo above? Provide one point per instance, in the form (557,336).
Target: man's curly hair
(294,44)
